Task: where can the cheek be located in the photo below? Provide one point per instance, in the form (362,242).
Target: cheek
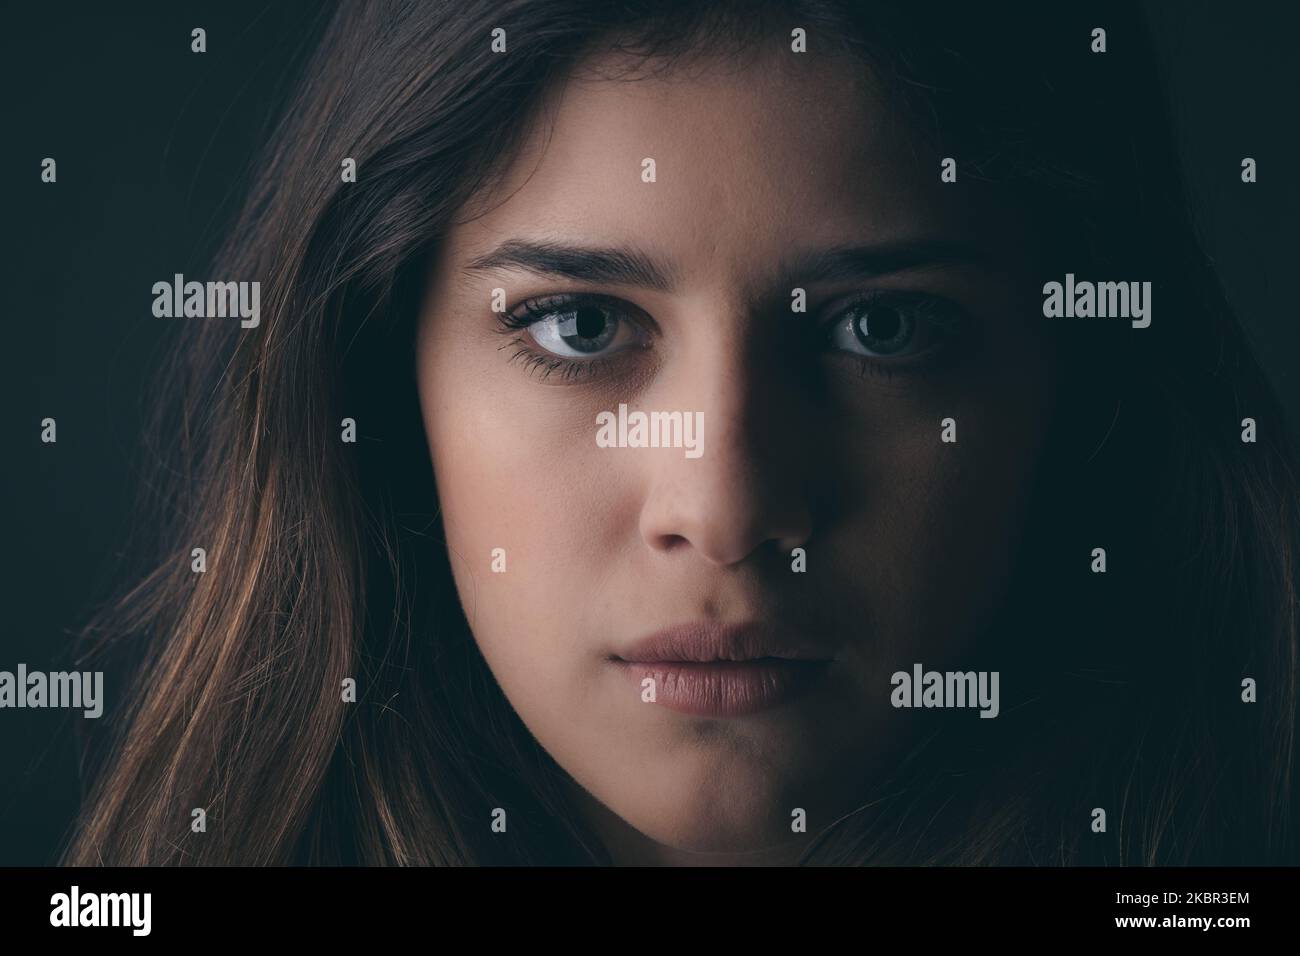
(931,532)
(532,512)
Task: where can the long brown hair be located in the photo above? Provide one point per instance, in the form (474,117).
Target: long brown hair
(326,561)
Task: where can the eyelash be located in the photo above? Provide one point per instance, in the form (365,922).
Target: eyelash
(934,309)
(543,365)
(534,310)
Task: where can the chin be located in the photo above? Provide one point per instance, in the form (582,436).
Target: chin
(719,815)
(712,835)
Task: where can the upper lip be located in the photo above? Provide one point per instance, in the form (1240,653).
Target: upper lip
(706,641)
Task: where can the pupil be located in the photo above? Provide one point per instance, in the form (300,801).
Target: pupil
(881,323)
(588,322)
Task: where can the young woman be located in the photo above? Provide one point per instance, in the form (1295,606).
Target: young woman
(455,610)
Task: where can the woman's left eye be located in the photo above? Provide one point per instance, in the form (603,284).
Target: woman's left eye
(888,324)
(574,327)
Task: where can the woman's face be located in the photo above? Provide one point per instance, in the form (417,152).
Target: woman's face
(815,425)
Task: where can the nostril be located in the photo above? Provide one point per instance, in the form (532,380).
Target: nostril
(670,542)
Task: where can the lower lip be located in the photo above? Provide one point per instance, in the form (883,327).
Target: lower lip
(725,688)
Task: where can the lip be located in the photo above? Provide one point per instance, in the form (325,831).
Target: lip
(712,669)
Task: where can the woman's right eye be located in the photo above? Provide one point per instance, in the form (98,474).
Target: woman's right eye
(576,327)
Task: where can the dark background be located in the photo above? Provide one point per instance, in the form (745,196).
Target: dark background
(154,144)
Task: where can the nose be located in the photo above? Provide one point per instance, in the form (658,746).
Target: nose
(750,484)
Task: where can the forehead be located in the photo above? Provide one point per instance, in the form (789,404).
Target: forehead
(754,153)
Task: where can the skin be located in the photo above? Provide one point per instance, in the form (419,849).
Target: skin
(908,538)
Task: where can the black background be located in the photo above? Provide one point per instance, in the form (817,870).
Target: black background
(154,144)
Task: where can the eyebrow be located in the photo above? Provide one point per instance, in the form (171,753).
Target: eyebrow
(622,266)
(610,265)
(841,263)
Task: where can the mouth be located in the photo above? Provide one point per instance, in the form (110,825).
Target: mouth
(711,669)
